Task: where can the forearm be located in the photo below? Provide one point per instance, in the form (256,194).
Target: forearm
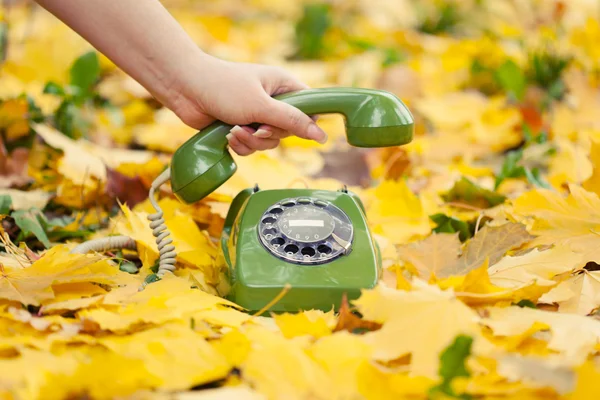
(140,36)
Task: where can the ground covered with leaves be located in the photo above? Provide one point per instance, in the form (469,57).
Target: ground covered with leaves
(489,221)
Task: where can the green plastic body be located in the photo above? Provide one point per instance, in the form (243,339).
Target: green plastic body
(258,277)
(373,118)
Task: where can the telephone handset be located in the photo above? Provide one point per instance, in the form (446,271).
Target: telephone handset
(316,241)
(373,118)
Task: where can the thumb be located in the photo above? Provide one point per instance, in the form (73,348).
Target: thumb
(291,119)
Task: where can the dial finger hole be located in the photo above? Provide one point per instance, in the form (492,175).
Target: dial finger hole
(276,210)
(291,249)
(269,231)
(288,204)
(304,201)
(268,220)
(308,252)
(320,203)
(324,249)
(277,241)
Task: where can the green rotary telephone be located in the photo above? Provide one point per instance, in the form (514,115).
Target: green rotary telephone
(317,243)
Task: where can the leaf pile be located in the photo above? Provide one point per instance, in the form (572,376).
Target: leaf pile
(488,222)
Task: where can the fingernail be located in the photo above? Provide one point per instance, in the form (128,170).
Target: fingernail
(262,133)
(317,134)
(236,129)
(229,136)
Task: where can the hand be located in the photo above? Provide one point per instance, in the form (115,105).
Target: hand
(197,87)
(240,94)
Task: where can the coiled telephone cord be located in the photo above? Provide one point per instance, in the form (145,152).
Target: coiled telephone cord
(166,250)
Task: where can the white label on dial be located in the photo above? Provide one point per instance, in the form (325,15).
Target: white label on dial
(307,222)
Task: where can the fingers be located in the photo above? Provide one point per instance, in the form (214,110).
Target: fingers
(236,145)
(243,140)
(268,131)
(291,119)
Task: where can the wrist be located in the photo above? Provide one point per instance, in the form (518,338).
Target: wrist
(177,81)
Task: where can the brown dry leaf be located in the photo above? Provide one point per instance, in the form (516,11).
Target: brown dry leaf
(13,168)
(431,256)
(127,190)
(438,254)
(347,321)
(490,242)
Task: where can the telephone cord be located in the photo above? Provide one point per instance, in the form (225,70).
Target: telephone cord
(166,251)
(104,244)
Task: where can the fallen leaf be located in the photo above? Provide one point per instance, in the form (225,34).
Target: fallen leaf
(341,355)
(222,393)
(537,372)
(573,221)
(431,256)
(33,284)
(126,190)
(512,321)
(347,321)
(490,242)
(592,184)
(25,200)
(77,164)
(466,192)
(13,169)
(396,212)
(14,115)
(297,376)
(580,294)
(314,323)
(586,387)
(426,318)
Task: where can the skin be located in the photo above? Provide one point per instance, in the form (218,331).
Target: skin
(145,41)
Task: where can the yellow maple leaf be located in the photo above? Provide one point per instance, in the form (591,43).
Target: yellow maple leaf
(536,372)
(170,299)
(421,322)
(178,357)
(98,373)
(536,265)
(314,323)
(193,247)
(511,321)
(33,284)
(587,387)
(569,165)
(376,383)
(592,184)
(77,164)
(13,118)
(573,221)
(341,355)
(395,212)
(580,294)
(477,288)
(297,376)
